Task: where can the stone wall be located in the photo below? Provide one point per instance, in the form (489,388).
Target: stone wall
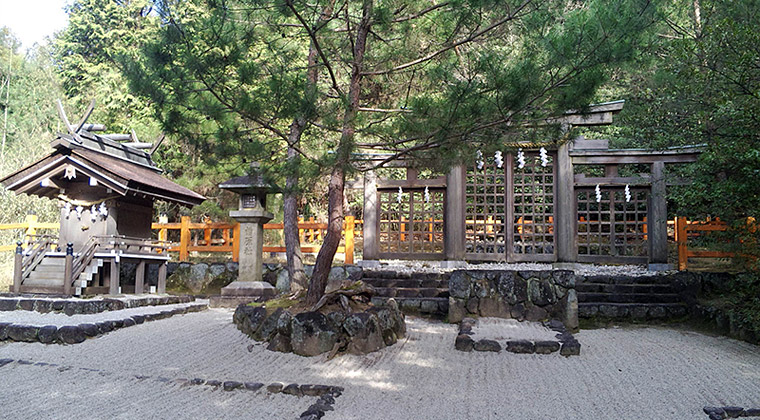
(209,278)
(521,295)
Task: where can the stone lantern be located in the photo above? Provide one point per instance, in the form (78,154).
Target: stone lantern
(251,214)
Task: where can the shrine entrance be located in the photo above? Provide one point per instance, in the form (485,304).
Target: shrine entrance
(509,207)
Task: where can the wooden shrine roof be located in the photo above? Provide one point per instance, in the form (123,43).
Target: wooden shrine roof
(121,168)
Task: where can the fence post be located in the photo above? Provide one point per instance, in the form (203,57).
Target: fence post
(163,233)
(31,224)
(184,238)
(681,240)
(236,243)
(18,267)
(67,271)
(350,221)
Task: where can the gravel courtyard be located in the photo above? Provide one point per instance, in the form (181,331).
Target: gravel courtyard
(622,373)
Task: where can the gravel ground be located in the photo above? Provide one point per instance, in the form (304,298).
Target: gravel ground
(59,319)
(622,373)
(581,269)
(510,329)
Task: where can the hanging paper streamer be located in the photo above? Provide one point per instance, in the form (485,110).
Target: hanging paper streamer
(479,155)
(79,210)
(93,213)
(520,159)
(398,196)
(427,195)
(498,159)
(103,210)
(627,194)
(598,193)
(67,208)
(544,157)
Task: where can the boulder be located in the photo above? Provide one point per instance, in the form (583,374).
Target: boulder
(8,304)
(47,334)
(457,310)
(280,343)
(282,283)
(521,346)
(464,343)
(18,332)
(71,334)
(459,285)
(570,348)
(90,330)
(546,347)
(269,327)
(365,334)
(487,345)
(312,334)
(4,330)
(249,318)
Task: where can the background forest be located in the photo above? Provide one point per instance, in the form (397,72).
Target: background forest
(689,73)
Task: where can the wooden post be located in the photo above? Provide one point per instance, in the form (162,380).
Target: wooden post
(236,243)
(140,278)
(301,232)
(453,224)
(350,221)
(658,217)
(163,233)
(113,281)
(67,271)
(184,238)
(31,224)
(207,236)
(566,229)
(161,278)
(370,212)
(18,267)
(681,239)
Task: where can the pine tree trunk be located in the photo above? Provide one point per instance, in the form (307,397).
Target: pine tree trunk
(298,280)
(326,254)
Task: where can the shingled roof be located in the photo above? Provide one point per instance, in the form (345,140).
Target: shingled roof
(121,168)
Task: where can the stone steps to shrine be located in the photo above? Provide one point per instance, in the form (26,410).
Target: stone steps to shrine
(637,298)
(424,294)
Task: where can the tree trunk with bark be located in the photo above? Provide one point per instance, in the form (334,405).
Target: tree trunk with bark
(336,185)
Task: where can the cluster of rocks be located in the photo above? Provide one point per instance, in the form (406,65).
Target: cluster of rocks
(209,279)
(634,312)
(326,394)
(74,334)
(314,333)
(566,344)
(721,413)
(521,295)
(724,323)
(10,302)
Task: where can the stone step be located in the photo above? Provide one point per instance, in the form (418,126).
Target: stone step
(607,279)
(412,292)
(633,311)
(629,297)
(432,306)
(623,288)
(409,283)
(397,275)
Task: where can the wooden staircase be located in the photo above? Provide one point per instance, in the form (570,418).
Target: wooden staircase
(48,275)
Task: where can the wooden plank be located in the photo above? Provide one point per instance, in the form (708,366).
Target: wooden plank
(113,281)
(681,240)
(710,227)
(140,277)
(582,180)
(411,183)
(454,215)
(621,159)
(658,216)
(585,144)
(566,228)
(371,215)
(349,236)
(161,288)
(710,254)
(184,238)
(210,248)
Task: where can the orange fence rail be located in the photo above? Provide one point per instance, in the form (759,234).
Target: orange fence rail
(29,226)
(683,229)
(230,237)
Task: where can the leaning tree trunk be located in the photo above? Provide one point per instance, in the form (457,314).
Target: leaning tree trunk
(326,254)
(298,279)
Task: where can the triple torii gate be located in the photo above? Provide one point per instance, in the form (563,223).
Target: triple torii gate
(528,204)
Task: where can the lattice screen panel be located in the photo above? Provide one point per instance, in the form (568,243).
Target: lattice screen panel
(612,227)
(486,211)
(533,209)
(412,227)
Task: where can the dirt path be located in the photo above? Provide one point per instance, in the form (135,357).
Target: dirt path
(627,373)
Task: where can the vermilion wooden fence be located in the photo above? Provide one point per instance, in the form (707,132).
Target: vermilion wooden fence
(684,227)
(230,234)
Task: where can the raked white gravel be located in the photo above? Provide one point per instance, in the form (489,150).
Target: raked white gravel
(622,373)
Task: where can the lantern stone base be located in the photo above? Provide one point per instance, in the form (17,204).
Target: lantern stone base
(243,292)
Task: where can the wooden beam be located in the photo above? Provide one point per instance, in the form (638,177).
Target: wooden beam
(86,115)
(623,159)
(658,216)
(454,222)
(370,214)
(411,183)
(581,180)
(566,231)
